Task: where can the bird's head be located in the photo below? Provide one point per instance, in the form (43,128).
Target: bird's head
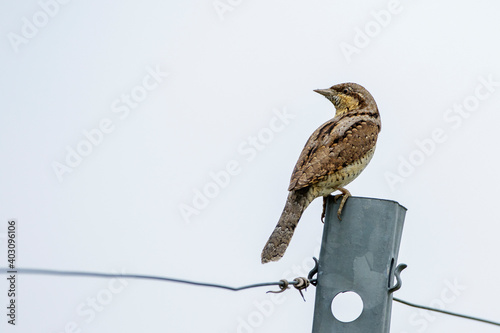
(347,97)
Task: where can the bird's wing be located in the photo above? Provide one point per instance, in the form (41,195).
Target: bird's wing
(336,144)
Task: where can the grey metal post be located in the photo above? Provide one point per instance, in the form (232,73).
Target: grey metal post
(358,254)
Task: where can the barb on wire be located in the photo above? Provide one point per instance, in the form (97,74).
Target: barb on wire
(445,312)
(283,287)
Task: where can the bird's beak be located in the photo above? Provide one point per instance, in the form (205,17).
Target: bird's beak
(325,92)
(330,94)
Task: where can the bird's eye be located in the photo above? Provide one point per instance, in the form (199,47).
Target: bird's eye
(345,91)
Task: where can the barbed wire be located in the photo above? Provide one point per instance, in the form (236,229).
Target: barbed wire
(298,283)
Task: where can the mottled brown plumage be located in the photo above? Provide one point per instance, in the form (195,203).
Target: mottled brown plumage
(334,155)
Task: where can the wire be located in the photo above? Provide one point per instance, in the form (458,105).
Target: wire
(283,285)
(36,271)
(445,312)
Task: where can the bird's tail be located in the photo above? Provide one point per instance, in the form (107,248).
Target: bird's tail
(276,245)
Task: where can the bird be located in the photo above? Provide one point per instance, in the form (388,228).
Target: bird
(334,155)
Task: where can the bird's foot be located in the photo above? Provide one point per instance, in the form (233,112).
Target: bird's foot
(345,195)
(323,213)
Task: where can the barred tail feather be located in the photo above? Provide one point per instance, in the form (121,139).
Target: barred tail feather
(277,244)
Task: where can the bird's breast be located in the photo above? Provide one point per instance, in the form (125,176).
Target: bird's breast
(344,176)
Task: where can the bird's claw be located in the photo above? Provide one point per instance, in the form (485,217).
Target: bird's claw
(345,195)
(323,213)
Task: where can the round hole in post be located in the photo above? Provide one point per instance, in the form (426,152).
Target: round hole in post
(347,306)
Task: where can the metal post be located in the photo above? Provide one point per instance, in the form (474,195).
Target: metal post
(359,254)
